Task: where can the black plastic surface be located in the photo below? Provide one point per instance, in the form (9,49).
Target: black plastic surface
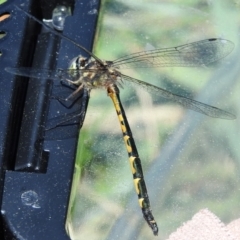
(37,168)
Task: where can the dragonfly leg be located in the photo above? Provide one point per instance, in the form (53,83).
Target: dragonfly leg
(134,160)
(75,92)
(70,81)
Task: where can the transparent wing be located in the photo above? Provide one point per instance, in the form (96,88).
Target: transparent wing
(188,55)
(60,127)
(57,74)
(186,102)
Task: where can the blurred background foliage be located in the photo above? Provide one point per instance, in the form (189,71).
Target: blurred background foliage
(190,161)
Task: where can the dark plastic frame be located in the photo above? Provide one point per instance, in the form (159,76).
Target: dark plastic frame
(36,175)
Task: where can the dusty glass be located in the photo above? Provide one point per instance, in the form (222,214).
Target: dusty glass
(190,161)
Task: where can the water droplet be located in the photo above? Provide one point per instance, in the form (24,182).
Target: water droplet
(30,198)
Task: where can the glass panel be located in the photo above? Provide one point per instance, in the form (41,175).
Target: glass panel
(190,161)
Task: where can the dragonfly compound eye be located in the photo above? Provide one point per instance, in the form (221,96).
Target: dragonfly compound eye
(82,61)
(78,63)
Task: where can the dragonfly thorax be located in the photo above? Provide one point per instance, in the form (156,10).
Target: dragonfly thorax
(93,74)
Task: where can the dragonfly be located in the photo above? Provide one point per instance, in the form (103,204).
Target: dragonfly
(92,73)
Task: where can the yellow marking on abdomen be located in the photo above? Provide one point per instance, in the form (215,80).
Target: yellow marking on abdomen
(140,201)
(129,149)
(136,181)
(117,105)
(131,160)
(120,117)
(123,127)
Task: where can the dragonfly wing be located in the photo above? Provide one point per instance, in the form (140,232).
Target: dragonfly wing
(186,102)
(36,73)
(60,127)
(188,55)
(56,74)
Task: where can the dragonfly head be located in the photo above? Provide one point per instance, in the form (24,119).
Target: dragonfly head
(79,62)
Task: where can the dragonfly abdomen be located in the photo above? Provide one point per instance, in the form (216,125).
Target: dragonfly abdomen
(134,160)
